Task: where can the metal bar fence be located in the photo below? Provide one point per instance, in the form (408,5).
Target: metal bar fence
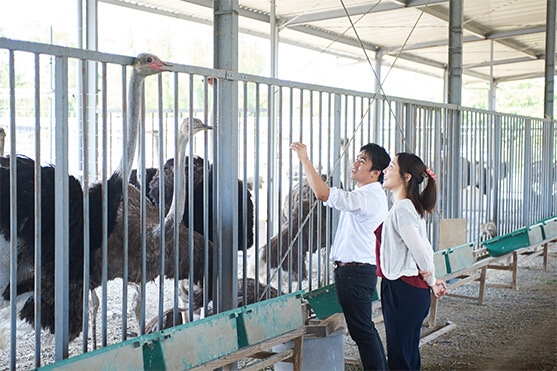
(284,234)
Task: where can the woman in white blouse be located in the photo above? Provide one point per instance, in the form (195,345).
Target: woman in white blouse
(404,252)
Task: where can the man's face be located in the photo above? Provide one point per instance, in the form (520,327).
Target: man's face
(361,169)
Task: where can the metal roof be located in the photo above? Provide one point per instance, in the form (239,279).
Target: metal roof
(413,30)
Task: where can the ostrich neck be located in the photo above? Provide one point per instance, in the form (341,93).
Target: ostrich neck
(135,97)
(178,198)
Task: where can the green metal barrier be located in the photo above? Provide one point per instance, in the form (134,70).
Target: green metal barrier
(509,242)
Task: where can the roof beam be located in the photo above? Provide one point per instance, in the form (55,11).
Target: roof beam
(353,11)
(472,38)
(526,76)
(243,12)
(334,37)
(478,30)
(501,61)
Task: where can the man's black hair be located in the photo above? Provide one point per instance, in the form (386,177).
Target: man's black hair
(379,158)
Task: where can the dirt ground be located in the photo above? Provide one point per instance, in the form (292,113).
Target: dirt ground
(512,330)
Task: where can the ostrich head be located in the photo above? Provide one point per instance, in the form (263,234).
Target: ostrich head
(197,126)
(149,64)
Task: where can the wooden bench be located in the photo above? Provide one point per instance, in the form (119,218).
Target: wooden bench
(467,266)
(213,342)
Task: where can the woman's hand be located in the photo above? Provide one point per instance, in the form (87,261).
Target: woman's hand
(439,289)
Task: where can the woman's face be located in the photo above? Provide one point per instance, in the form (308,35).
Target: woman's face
(392,179)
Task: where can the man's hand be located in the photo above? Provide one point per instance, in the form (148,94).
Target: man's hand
(301,150)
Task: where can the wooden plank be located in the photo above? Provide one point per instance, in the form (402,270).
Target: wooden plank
(270,361)
(248,351)
(434,335)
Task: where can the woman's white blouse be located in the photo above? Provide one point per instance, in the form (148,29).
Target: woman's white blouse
(404,246)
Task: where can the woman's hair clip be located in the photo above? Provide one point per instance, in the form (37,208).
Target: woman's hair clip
(430,174)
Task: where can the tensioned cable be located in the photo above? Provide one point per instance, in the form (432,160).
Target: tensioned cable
(357,128)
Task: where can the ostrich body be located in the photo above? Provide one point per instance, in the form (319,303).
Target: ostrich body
(153,233)
(299,214)
(144,65)
(198,205)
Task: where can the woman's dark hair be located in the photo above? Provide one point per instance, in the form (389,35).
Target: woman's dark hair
(379,158)
(409,163)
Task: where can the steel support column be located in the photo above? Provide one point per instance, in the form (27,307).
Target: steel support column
(378,103)
(492,97)
(61,211)
(455,96)
(226,58)
(549,95)
(92,85)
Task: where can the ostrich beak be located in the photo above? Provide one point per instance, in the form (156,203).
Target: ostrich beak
(163,66)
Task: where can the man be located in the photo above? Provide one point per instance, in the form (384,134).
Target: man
(361,212)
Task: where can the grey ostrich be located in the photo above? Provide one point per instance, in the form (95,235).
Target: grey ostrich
(154,231)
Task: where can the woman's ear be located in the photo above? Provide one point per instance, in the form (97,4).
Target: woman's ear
(407,177)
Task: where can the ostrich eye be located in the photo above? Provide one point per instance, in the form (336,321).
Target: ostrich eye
(149,59)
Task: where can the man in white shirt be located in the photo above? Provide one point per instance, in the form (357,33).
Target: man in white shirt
(361,212)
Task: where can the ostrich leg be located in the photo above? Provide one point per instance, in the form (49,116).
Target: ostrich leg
(94,310)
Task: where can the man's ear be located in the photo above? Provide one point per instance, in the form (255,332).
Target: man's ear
(375,173)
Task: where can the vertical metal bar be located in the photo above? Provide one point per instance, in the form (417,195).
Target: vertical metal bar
(178,222)
(104,307)
(496,148)
(86,220)
(61,201)
(438,155)
(244,199)
(206,206)
(336,153)
(270,159)
(38,212)
(279,211)
(142,213)
(13,208)
(549,91)
(125,206)
(190,199)
(319,208)
(300,197)
(330,175)
(311,199)
(526,202)
(162,208)
(256,190)
(290,179)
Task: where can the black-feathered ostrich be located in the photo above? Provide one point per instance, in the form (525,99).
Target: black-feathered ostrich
(198,206)
(143,66)
(153,233)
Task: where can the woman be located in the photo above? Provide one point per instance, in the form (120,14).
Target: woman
(405,252)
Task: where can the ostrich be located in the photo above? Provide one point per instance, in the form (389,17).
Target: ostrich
(143,66)
(244,206)
(299,214)
(198,206)
(154,232)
